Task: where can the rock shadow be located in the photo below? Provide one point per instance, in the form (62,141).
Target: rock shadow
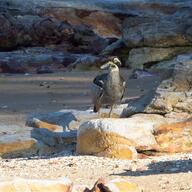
(162,167)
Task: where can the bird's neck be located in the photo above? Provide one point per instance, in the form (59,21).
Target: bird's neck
(114,75)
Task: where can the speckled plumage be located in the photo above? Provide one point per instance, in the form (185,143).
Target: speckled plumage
(108,88)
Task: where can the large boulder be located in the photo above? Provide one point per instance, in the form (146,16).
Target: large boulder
(163,31)
(33,30)
(104,17)
(175,137)
(145,57)
(118,137)
(172,95)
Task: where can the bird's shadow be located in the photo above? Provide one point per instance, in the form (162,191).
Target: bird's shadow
(162,167)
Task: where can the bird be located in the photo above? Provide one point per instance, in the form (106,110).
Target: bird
(108,88)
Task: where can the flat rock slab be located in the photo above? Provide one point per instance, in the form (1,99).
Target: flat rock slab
(66,120)
(17,141)
(22,185)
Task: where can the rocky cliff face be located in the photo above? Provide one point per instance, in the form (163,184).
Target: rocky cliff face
(150,31)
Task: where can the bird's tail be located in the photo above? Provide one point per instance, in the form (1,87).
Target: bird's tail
(96,108)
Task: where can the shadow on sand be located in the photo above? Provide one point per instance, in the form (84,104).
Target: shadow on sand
(162,167)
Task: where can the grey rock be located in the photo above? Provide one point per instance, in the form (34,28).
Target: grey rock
(145,57)
(172,95)
(159,32)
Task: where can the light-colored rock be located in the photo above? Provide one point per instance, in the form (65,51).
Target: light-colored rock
(42,124)
(175,94)
(57,129)
(139,58)
(24,185)
(171,95)
(175,137)
(114,137)
(115,185)
(68,119)
(16,141)
(122,185)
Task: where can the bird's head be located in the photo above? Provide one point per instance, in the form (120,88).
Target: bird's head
(116,61)
(112,65)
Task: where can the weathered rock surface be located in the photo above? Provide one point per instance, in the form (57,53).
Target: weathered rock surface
(17,141)
(32,185)
(166,31)
(114,137)
(172,95)
(175,137)
(140,58)
(67,119)
(118,185)
(125,29)
(89,62)
(121,185)
(47,60)
(143,132)
(104,17)
(33,60)
(33,30)
(175,94)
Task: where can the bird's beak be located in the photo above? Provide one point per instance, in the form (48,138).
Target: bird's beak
(118,62)
(105,66)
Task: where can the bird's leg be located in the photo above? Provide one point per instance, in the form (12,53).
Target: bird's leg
(110,112)
(99,114)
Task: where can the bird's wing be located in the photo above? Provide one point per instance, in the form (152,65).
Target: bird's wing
(124,85)
(97,88)
(100,79)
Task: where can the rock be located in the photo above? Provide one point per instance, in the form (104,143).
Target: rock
(114,137)
(159,32)
(41,124)
(89,62)
(46,60)
(175,94)
(139,74)
(145,57)
(104,17)
(121,185)
(58,129)
(19,184)
(103,23)
(117,185)
(175,137)
(30,60)
(33,30)
(67,119)
(116,48)
(7,38)
(56,139)
(171,95)
(23,141)
(17,142)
